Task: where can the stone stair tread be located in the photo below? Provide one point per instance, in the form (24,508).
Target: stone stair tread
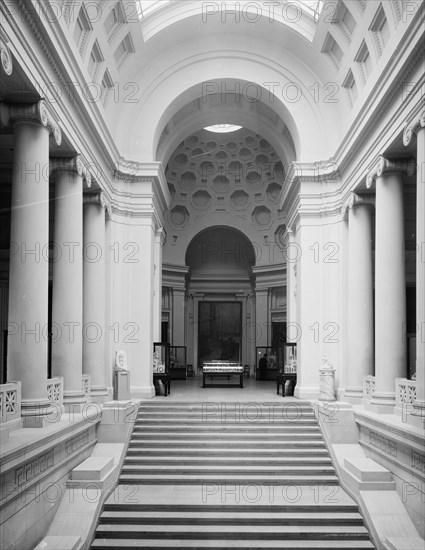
(234,516)
(242,529)
(234,436)
(230,478)
(227,467)
(226,459)
(156,452)
(236,544)
(236,444)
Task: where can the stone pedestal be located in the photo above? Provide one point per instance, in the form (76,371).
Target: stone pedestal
(327,385)
(122,385)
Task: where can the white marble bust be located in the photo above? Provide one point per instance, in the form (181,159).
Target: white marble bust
(326,364)
(121,360)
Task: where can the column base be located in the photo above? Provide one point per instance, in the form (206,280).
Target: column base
(74,401)
(306,392)
(99,394)
(354,394)
(142,392)
(382,403)
(34,413)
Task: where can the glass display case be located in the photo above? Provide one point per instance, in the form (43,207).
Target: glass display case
(266,363)
(161,358)
(289,360)
(178,362)
(287,371)
(161,365)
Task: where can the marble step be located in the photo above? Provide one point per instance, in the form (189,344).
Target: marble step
(217,469)
(262,532)
(307,502)
(228,416)
(225,452)
(234,426)
(234,518)
(199,479)
(245,460)
(218,405)
(282,443)
(130,544)
(236,435)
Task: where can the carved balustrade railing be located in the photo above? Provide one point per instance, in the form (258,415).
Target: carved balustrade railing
(85,386)
(10,401)
(55,390)
(368,387)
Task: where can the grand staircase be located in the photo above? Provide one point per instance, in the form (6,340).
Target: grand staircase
(229,475)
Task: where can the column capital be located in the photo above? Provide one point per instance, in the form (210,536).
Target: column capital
(354,200)
(385,166)
(98,197)
(38,113)
(413,127)
(6,56)
(75,165)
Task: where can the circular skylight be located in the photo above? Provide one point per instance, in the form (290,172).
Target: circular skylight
(223,128)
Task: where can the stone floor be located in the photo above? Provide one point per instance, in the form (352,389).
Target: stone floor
(253,391)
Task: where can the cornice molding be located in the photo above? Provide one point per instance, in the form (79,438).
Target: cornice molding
(413,127)
(75,165)
(37,113)
(6,56)
(384,166)
(351,141)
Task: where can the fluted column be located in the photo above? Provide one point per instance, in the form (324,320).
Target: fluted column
(94,293)
(360,295)
(417,127)
(29,255)
(67,306)
(157,303)
(291,294)
(390,280)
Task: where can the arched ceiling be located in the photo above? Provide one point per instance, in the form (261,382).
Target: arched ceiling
(234,108)
(158,58)
(231,180)
(179,48)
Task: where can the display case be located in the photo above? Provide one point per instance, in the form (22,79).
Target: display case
(178,364)
(161,365)
(266,363)
(287,371)
(221,369)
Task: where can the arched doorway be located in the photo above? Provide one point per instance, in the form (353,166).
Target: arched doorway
(220,292)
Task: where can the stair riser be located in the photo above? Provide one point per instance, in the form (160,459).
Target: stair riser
(245,462)
(236,509)
(229,535)
(203,481)
(249,521)
(290,446)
